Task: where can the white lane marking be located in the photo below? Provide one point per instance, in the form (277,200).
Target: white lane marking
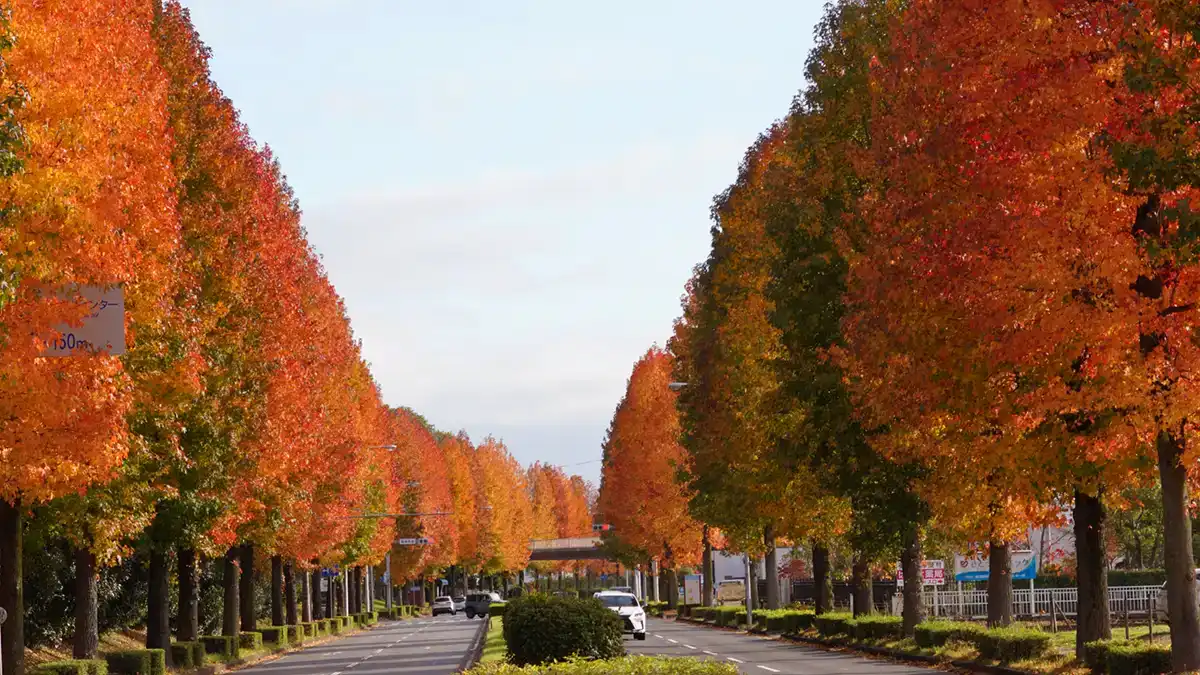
(734,660)
(659,636)
(377,651)
(335,653)
(428,648)
(337,673)
(672,641)
(769,669)
(711,653)
(689,646)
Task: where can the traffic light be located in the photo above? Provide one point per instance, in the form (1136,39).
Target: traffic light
(601,527)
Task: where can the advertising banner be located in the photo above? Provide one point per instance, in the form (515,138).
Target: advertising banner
(691,589)
(976,568)
(933,573)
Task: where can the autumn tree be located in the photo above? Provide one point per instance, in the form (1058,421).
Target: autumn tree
(84,118)
(639,496)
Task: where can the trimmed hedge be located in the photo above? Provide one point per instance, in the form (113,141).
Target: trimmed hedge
(224,646)
(72,667)
(629,665)
(937,633)
(656,608)
(542,629)
(250,639)
(497,608)
(295,633)
(878,627)
(187,654)
(686,610)
(1117,657)
(834,623)
(334,626)
(276,636)
(1012,644)
(308,629)
(137,662)
(799,620)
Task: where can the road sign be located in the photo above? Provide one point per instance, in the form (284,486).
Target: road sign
(324,584)
(103,327)
(601,527)
(933,573)
(412,541)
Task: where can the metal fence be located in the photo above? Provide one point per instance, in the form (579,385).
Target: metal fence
(1131,600)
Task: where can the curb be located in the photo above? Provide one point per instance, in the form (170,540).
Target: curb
(972,666)
(476,652)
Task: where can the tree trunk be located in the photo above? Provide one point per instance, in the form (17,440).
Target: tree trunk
(772,568)
(230,582)
(1091,571)
(1177,556)
(187,627)
(822,583)
(12,595)
(276,590)
(158,616)
(289,595)
(910,561)
(249,620)
(999,586)
(752,580)
(672,588)
(315,605)
(860,579)
(87,623)
(706,590)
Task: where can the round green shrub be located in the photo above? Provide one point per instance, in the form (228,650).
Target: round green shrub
(542,629)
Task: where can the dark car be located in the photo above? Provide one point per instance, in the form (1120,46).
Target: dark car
(479,604)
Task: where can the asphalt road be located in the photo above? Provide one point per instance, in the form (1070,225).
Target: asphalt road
(415,647)
(757,655)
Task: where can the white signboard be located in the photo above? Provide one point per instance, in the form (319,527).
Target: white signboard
(412,541)
(103,328)
(324,584)
(933,573)
(691,589)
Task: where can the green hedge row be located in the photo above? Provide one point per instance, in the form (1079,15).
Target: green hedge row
(225,647)
(937,633)
(1117,657)
(72,667)
(187,654)
(656,608)
(137,662)
(1005,645)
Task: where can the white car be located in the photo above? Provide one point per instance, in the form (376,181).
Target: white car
(1160,602)
(444,604)
(630,610)
(460,604)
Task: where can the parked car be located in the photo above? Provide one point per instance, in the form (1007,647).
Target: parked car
(1160,602)
(460,604)
(621,589)
(479,604)
(630,610)
(444,604)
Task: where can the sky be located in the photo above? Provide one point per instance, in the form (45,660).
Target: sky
(509,195)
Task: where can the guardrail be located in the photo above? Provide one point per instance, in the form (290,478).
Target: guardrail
(1134,600)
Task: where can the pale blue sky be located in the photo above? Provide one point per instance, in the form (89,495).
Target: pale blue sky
(509,195)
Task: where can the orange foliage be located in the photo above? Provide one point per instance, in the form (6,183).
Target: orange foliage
(639,495)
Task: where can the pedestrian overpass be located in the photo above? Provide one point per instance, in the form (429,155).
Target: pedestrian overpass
(577,548)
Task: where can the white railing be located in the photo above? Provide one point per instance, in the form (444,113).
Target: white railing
(1134,600)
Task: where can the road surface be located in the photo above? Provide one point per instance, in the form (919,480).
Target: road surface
(414,647)
(757,655)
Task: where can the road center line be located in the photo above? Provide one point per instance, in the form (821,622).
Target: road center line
(734,660)
(769,669)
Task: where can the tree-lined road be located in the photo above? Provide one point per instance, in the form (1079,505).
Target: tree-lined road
(421,647)
(757,655)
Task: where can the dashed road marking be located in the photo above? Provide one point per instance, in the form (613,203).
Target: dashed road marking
(659,636)
(711,653)
(689,646)
(769,669)
(672,641)
(734,660)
